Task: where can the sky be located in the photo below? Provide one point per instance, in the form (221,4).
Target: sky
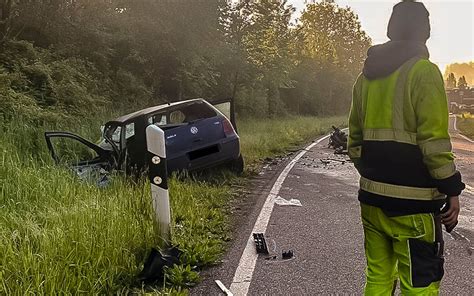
(452,32)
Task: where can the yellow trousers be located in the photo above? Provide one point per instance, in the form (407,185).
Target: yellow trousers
(405,248)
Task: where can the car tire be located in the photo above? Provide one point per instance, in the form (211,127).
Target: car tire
(237,165)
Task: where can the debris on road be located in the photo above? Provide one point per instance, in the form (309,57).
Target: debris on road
(287,255)
(283,202)
(260,243)
(338,141)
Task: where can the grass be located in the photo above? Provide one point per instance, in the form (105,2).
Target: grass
(466,125)
(62,236)
(271,137)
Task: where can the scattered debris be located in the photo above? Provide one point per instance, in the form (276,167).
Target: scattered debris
(260,243)
(273,257)
(338,160)
(338,141)
(283,202)
(287,255)
(223,288)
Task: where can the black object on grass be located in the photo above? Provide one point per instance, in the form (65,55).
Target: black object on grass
(154,267)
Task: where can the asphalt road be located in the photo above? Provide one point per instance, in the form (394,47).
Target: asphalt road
(326,233)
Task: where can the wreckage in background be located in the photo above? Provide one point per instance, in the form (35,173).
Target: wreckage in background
(338,141)
(198,136)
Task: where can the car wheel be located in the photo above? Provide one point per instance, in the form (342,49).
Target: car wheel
(237,165)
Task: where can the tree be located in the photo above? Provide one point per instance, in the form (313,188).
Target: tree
(451,81)
(462,84)
(267,43)
(331,48)
(6,7)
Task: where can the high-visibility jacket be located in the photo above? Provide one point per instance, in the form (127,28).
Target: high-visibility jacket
(399,140)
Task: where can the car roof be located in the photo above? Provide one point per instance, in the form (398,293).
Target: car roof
(129,117)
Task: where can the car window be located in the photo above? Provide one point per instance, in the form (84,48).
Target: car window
(70,151)
(177,116)
(113,133)
(197,111)
(129,130)
(224,108)
(158,119)
(116,134)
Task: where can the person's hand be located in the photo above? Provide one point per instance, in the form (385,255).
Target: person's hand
(450,217)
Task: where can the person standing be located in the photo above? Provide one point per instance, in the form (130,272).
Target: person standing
(399,143)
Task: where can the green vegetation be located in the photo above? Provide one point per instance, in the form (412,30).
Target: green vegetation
(268,138)
(62,59)
(61,235)
(466,126)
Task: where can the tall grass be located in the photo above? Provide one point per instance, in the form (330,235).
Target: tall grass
(59,235)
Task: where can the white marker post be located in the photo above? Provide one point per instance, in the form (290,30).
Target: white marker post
(158,174)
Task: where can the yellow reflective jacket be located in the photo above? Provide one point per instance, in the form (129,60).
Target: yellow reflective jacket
(399,140)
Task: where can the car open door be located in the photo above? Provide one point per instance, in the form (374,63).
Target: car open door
(76,152)
(227,107)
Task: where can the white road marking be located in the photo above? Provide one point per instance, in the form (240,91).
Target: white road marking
(244,273)
(469,189)
(461,135)
(466,138)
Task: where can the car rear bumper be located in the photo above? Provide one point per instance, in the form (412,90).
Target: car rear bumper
(204,157)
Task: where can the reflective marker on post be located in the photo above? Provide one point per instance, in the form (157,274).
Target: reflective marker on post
(158,175)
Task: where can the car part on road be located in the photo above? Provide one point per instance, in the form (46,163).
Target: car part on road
(198,136)
(287,255)
(292,202)
(260,243)
(338,160)
(273,257)
(338,141)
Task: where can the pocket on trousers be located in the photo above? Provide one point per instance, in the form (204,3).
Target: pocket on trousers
(426,262)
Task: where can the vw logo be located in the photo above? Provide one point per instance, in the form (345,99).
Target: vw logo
(194,130)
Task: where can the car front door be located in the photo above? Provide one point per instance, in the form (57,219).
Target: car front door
(76,152)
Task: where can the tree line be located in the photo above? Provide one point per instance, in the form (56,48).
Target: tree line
(451,82)
(464,71)
(80,56)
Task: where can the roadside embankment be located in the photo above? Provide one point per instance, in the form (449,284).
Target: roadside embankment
(59,235)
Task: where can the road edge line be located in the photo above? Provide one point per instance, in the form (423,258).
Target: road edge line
(456,129)
(244,272)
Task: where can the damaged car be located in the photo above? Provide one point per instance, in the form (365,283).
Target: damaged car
(198,136)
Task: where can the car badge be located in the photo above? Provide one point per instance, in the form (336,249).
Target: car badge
(194,130)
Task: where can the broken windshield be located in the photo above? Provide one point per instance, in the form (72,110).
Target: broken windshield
(112,132)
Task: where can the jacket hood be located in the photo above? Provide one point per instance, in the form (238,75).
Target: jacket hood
(384,59)
(409,21)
